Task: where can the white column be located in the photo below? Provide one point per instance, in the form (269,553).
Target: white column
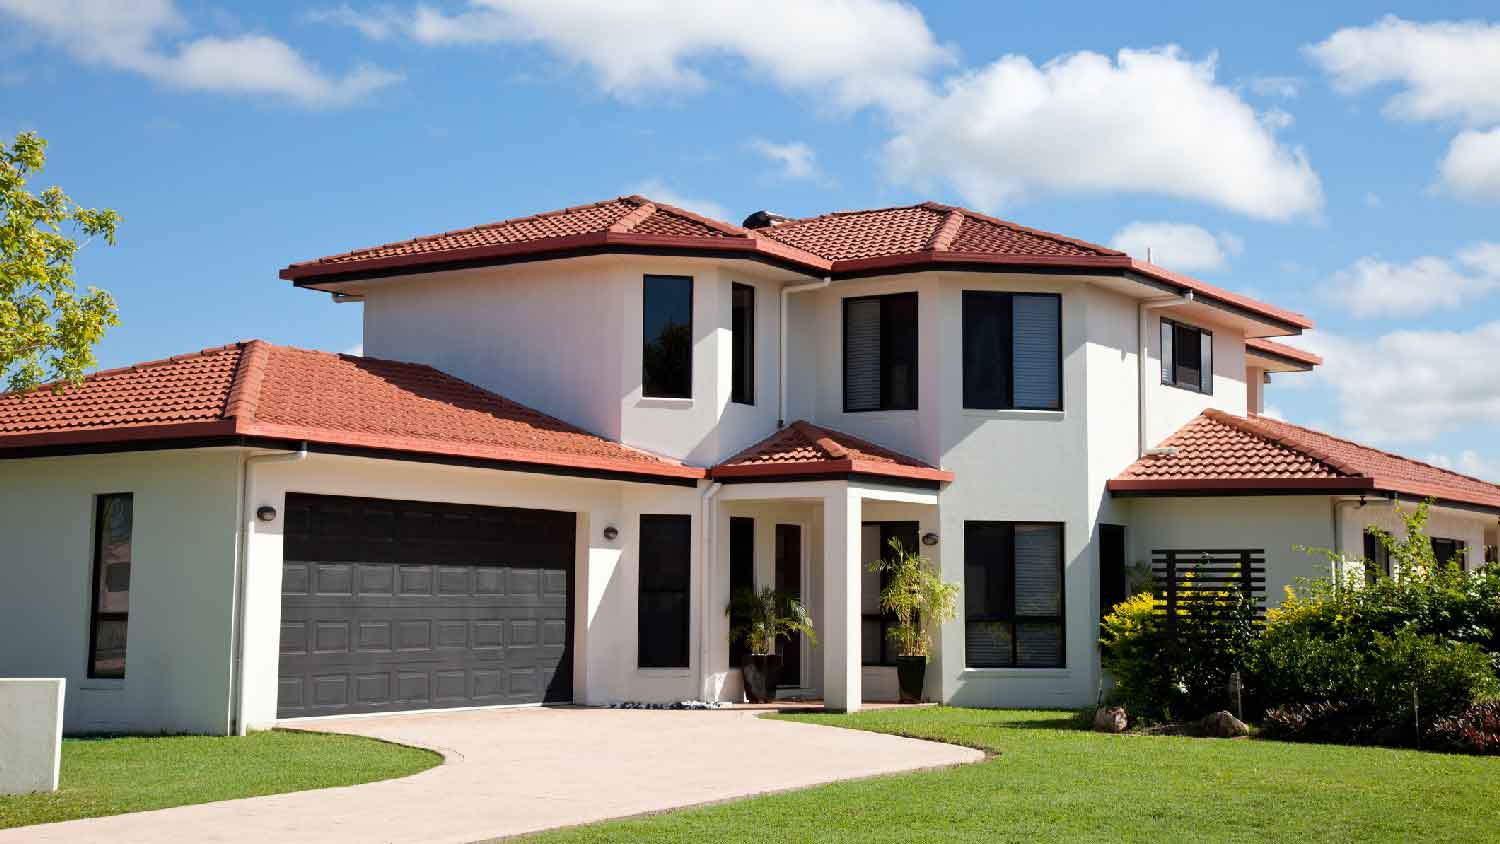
(840,636)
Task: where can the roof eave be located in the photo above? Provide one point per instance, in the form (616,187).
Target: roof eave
(829,467)
(1230,486)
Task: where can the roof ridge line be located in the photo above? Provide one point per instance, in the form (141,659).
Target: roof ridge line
(634,218)
(244,390)
(820,438)
(942,239)
(1390,454)
(1254,428)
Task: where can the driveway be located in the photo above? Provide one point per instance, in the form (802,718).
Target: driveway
(514,771)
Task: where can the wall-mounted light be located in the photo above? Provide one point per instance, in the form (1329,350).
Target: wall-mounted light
(266,513)
(610,532)
(929,538)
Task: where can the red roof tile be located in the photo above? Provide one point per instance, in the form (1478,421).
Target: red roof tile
(840,244)
(1218,451)
(803,448)
(1282,350)
(256,389)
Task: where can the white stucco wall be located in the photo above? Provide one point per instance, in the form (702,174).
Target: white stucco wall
(182,561)
(605,620)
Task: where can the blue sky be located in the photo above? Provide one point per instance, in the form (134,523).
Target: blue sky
(1337,159)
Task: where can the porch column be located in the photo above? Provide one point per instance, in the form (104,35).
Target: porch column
(840,636)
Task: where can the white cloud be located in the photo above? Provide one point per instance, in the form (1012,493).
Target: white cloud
(1469,462)
(1471,169)
(132,36)
(1285,87)
(658,190)
(1374,287)
(1149,121)
(1408,386)
(795,159)
(1443,69)
(1178,246)
(865,52)
(378,25)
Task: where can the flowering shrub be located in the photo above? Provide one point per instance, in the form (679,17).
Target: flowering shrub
(1475,730)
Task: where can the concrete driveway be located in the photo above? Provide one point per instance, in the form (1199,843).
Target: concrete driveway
(514,771)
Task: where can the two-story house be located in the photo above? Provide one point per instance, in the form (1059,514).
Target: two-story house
(572,434)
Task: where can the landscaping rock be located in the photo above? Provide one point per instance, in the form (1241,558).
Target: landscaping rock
(1110,719)
(1223,725)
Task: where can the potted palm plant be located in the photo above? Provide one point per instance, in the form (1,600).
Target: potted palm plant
(762,619)
(919,599)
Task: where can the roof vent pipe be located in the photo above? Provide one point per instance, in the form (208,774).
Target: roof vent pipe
(764,219)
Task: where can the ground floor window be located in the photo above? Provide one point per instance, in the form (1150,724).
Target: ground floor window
(665,575)
(1013,595)
(113,527)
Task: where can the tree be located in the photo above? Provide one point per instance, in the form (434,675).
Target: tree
(47,330)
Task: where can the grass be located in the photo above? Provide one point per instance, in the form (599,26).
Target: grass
(111,776)
(1051,782)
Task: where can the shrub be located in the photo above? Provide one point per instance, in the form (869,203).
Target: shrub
(1475,730)
(1414,678)
(1324,721)
(1130,641)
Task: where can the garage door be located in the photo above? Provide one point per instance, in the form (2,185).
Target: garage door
(390,605)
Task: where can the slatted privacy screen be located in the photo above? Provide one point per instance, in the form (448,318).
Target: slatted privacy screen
(1187,576)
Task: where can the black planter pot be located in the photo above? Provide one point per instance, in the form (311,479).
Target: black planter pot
(911,672)
(762,674)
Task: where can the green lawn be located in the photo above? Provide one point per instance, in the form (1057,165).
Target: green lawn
(109,776)
(1050,782)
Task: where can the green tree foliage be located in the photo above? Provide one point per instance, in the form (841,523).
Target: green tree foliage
(47,330)
(768,617)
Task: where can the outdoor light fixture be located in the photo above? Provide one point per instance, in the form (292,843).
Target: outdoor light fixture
(266,513)
(929,538)
(610,532)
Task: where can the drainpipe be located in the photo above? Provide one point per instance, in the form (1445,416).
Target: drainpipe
(710,529)
(1142,332)
(241,564)
(786,293)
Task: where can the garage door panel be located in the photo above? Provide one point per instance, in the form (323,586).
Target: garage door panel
(401,605)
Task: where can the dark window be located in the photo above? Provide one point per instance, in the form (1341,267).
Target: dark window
(1012,350)
(113,518)
(741,576)
(667,361)
(1449,551)
(742,343)
(1113,584)
(880,352)
(875,634)
(1377,558)
(789,582)
(665,568)
(1013,595)
(1187,357)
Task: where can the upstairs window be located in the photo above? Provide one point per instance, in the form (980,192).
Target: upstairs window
(880,353)
(742,343)
(1187,357)
(1012,351)
(667,360)
(113,530)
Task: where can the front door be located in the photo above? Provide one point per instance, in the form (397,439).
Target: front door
(789,582)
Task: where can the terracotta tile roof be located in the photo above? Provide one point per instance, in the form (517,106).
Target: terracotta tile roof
(803,448)
(259,390)
(840,244)
(1218,451)
(1282,350)
(929,226)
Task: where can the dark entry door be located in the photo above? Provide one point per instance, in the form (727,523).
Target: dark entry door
(390,605)
(789,582)
(1112,585)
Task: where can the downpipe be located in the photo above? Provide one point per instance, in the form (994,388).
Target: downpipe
(241,566)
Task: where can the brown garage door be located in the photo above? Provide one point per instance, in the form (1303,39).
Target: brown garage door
(390,605)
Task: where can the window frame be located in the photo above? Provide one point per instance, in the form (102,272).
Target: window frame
(686,592)
(742,345)
(1010,375)
(1011,618)
(95,572)
(1198,388)
(647,341)
(885,400)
